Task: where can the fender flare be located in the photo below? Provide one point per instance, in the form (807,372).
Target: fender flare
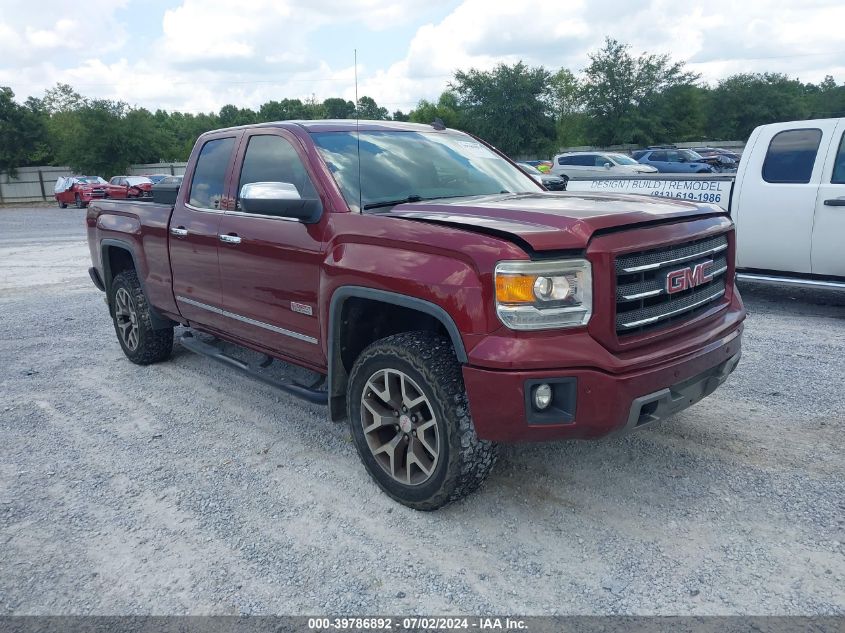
(159,321)
(337,372)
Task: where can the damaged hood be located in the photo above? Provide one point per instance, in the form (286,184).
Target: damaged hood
(551,221)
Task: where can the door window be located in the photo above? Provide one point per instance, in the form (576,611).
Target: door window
(838,176)
(658,157)
(210,173)
(791,156)
(271,158)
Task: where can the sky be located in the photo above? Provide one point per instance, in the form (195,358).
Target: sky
(198,55)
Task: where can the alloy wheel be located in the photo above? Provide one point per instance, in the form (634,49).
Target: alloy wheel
(126,318)
(400,427)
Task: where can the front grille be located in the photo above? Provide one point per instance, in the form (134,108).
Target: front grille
(642,300)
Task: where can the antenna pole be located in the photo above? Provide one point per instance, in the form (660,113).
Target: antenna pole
(358,133)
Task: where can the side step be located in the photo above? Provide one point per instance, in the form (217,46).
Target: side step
(191,342)
(818,284)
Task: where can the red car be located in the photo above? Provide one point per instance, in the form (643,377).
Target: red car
(79,190)
(130,187)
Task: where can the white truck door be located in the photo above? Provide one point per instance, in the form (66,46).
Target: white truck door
(828,255)
(777,200)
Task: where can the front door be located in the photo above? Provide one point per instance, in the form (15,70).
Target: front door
(777,201)
(270,266)
(194,228)
(828,257)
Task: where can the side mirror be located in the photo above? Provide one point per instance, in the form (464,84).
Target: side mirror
(607,165)
(281,199)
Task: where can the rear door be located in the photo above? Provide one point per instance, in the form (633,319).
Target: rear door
(828,255)
(193,235)
(269,265)
(777,200)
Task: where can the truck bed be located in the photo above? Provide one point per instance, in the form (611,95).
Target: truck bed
(143,228)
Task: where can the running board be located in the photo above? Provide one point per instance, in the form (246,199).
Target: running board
(192,343)
(818,284)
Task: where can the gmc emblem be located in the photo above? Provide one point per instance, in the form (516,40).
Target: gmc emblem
(689,277)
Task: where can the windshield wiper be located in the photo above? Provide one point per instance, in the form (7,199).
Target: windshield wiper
(392,203)
(416,198)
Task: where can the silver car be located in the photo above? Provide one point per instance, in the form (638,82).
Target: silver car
(593,164)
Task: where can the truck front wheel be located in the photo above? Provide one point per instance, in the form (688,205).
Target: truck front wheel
(410,421)
(130,312)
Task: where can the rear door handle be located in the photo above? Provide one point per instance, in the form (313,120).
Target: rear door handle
(179,231)
(835,202)
(230,238)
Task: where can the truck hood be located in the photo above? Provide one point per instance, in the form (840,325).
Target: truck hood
(550,221)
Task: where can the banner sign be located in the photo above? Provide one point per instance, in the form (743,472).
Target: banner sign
(715,191)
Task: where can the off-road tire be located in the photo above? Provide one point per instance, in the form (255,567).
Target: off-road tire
(153,345)
(79,202)
(464,461)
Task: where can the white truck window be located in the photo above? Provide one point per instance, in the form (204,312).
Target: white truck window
(791,156)
(838,176)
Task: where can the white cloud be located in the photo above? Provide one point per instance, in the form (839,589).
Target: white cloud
(202,54)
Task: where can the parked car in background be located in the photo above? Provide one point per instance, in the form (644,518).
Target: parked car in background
(674,161)
(550,182)
(544,166)
(720,159)
(130,187)
(79,190)
(156,178)
(590,164)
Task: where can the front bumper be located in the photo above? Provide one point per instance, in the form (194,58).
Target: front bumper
(604,402)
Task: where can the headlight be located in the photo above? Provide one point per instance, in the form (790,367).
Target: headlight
(544,295)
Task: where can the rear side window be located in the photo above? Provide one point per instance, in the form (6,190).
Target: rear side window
(838,177)
(210,173)
(271,158)
(659,157)
(791,156)
(564,160)
(586,160)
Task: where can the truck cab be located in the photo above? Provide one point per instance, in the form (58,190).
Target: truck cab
(789,199)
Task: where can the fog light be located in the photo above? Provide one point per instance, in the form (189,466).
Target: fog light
(542,396)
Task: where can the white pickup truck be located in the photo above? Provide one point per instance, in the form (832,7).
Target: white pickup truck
(787,200)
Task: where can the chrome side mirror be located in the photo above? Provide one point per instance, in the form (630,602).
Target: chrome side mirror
(280,199)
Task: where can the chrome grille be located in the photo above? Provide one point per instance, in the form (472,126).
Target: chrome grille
(642,300)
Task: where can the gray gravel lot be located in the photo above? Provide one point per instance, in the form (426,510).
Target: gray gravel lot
(187,488)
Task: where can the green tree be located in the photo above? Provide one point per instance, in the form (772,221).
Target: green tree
(368,109)
(620,92)
(509,106)
(231,116)
(22,132)
(742,102)
(284,110)
(337,108)
(567,103)
(446,109)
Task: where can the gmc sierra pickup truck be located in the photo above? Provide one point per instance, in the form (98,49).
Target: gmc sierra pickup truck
(448,301)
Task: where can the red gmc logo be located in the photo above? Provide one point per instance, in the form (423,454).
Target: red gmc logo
(689,277)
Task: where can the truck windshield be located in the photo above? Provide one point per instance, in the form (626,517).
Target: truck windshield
(401,165)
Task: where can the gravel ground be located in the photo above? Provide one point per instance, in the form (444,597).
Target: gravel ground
(187,488)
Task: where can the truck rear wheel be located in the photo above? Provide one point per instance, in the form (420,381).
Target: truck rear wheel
(410,421)
(130,312)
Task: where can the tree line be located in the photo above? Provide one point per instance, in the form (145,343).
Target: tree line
(618,98)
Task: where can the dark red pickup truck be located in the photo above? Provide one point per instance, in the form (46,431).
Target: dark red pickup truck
(448,301)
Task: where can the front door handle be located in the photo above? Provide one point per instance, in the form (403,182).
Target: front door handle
(179,231)
(230,238)
(835,202)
